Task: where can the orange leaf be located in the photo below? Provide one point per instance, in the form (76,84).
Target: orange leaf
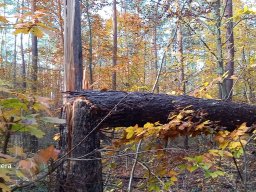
(48,153)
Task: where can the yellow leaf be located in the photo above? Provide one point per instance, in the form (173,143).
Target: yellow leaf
(180,116)
(173,178)
(225,75)
(202,125)
(130,132)
(191,168)
(56,137)
(234,77)
(148,125)
(223,145)
(243,127)
(4,173)
(234,145)
(4,188)
(173,173)
(207,96)
(228,154)
(3,19)
(37,32)
(21,30)
(253,65)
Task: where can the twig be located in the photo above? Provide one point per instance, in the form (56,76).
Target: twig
(133,167)
(238,170)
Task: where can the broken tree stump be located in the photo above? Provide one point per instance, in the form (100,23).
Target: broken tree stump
(84,110)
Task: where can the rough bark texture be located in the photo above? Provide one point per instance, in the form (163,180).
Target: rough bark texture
(34,55)
(85,109)
(230,49)
(114,56)
(34,75)
(140,108)
(219,53)
(80,176)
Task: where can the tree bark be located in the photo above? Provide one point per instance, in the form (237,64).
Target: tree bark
(80,176)
(73,64)
(23,70)
(230,49)
(85,109)
(140,108)
(90,44)
(181,58)
(34,76)
(114,56)
(155,44)
(15,63)
(34,56)
(219,54)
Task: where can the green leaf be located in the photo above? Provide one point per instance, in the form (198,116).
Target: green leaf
(12,103)
(198,159)
(32,129)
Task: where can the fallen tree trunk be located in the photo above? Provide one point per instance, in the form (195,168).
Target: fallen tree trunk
(85,110)
(140,108)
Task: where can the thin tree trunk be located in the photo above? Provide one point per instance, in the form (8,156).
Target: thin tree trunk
(7,135)
(34,72)
(34,76)
(15,62)
(61,22)
(23,65)
(230,49)
(181,58)
(222,88)
(155,44)
(90,44)
(181,64)
(114,57)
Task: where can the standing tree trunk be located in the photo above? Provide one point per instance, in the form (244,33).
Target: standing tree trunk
(34,56)
(15,63)
(217,16)
(181,64)
(60,21)
(23,65)
(114,57)
(90,44)
(230,49)
(33,139)
(155,44)
(77,176)
(73,63)
(181,58)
